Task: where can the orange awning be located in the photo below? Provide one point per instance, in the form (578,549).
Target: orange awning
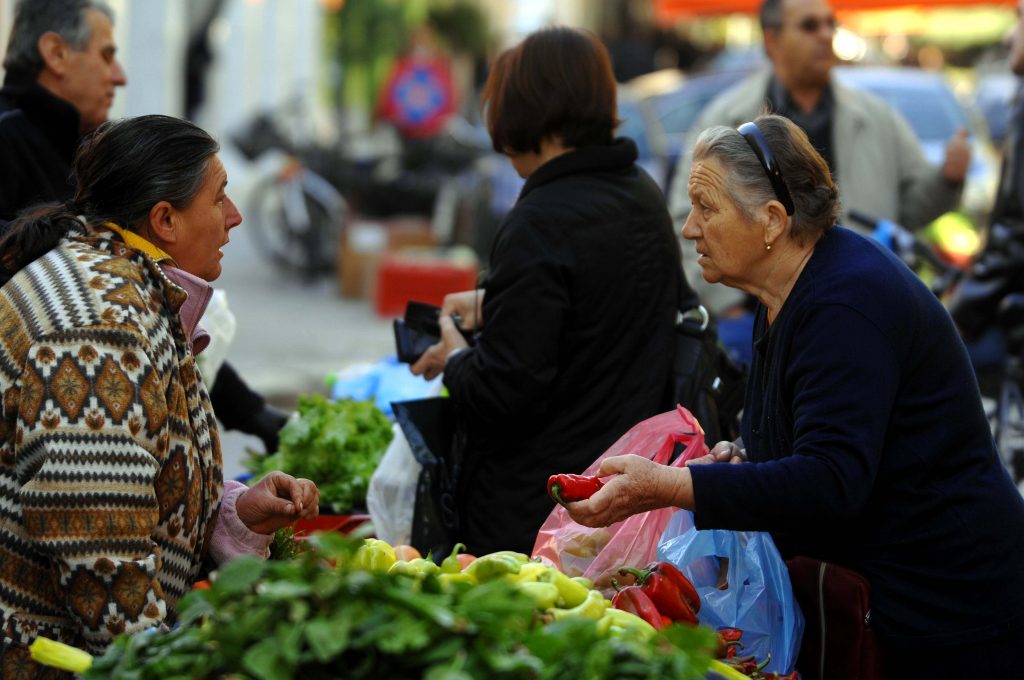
(671,9)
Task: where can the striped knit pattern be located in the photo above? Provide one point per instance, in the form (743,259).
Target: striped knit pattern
(110,469)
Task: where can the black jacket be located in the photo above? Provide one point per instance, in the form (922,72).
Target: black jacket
(38,136)
(577,340)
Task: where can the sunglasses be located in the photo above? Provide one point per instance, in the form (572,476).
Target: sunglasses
(771,166)
(811,25)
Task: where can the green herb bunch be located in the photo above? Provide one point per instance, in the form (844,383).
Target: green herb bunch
(308,618)
(337,444)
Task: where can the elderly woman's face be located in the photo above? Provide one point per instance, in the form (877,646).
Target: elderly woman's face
(205,224)
(727,243)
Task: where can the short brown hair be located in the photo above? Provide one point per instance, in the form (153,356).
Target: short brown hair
(558,82)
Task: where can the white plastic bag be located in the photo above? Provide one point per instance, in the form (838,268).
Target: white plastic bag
(391,496)
(220,323)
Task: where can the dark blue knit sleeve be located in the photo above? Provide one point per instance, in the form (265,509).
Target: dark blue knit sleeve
(839,386)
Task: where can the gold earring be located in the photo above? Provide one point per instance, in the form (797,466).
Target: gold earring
(767,246)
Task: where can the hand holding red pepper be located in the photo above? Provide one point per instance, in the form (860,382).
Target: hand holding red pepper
(639,484)
(571,488)
(671,592)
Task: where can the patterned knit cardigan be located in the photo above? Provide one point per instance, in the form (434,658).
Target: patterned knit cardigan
(110,462)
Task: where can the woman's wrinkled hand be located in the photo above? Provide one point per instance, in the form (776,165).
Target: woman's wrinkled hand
(638,485)
(723,452)
(431,364)
(277,501)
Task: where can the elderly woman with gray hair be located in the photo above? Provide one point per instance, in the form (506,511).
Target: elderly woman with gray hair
(865,442)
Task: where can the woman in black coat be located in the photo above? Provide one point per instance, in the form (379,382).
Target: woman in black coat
(575,318)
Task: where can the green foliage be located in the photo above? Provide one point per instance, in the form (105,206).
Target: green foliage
(306,618)
(462,24)
(337,444)
(284,546)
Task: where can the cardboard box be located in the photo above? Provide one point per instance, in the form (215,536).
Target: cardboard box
(365,241)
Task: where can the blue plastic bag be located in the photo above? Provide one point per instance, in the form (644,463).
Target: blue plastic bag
(759,598)
(384,382)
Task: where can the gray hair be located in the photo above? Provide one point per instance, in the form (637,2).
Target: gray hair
(806,174)
(771,14)
(33,18)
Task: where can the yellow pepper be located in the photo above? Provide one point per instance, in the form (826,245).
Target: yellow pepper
(449,580)
(531,571)
(374,555)
(544,595)
(584,581)
(494,565)
(572,593)
(59,655)
(593,607)
(417,568)
(619,622)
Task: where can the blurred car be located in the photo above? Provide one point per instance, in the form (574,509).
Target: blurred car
(673,110)
(927,103)
(993,95)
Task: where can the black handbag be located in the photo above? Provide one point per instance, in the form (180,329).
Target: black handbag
(705,379)
(438,445)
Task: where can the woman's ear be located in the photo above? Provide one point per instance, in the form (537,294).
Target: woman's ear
(777,223)
(163,225)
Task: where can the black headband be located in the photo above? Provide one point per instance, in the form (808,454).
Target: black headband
(771,166)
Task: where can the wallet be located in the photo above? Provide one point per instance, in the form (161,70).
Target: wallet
(419,329)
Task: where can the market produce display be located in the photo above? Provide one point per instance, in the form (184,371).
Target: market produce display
(353,608)
(337,444)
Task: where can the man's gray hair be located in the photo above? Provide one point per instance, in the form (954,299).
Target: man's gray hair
(33,18)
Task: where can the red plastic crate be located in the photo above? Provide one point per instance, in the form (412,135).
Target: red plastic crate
(402,278)
(342,523)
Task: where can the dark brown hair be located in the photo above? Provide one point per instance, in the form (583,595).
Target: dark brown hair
(558,82)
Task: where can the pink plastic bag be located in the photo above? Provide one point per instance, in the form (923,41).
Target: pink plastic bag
(598,554)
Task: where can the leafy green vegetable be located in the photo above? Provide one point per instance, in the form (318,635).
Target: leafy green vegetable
(337,444)
(284,546)
(305,618)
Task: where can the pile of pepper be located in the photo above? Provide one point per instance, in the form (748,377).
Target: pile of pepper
(556,595)
(660,595)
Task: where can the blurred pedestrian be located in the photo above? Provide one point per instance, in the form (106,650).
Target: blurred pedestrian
(877,160)
(114,499)
(865,443)
(576,315)
(61,76)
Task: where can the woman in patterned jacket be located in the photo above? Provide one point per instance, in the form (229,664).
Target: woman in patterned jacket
(112,499)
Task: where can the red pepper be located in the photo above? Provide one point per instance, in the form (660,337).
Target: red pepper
(669,589)
(571,488)
(730,641)
(748,665)
(635,601)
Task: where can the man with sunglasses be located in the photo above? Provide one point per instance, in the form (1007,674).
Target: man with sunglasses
(875,157)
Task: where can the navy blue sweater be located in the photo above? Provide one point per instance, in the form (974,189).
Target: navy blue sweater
(871,449)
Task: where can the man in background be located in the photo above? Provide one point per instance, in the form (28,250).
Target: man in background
(61,76)
(874,156)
